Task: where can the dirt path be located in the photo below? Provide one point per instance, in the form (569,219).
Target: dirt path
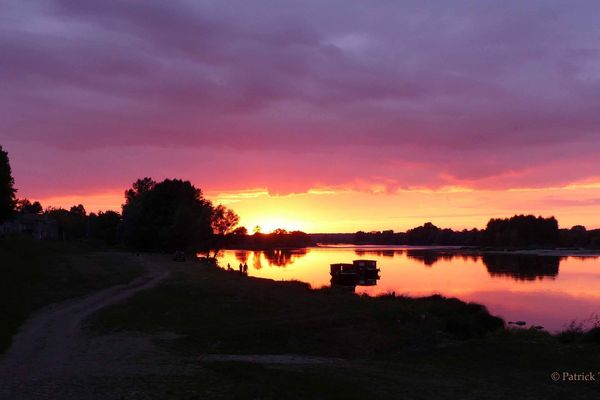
(51,346)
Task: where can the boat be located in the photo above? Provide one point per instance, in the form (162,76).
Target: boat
(359,272)
(367,268)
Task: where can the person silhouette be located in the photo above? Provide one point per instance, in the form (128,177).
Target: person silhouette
(241,267)
(228,267)
(245,268)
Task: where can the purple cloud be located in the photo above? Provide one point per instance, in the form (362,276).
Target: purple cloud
(492,94)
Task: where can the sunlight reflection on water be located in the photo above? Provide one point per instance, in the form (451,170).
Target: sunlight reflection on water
(541,290)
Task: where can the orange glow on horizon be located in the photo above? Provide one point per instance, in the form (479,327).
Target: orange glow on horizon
(93,202)
(268,225)
(344,210)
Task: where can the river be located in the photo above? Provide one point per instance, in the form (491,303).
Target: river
(550,291)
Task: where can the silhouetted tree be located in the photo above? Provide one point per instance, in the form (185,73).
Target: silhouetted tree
(223,222)
(24,206)
(138,188)
(104,226)
(7,190)
(426,234)
(519,230)
(577,236)
(279,239)
(595,241)
(169,215)
(237,237)
(522,230)
(71,223)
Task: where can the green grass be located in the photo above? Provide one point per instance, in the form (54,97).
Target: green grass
(37,273)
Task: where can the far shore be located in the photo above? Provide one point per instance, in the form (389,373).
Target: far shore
(459,250)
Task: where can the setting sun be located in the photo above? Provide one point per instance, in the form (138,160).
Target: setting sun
(268,225)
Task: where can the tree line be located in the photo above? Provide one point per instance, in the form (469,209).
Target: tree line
(174,215)
(516,231)
(156,216)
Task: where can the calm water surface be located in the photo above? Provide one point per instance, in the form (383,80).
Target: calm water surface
(541,290)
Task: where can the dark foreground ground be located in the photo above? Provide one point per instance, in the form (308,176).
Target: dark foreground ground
(34,274)
(386,347)
(216,334)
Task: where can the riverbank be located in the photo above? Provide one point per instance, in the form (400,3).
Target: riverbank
(253,315)
(206,332)
(239,329)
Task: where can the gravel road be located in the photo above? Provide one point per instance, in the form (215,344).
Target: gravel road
(50,357)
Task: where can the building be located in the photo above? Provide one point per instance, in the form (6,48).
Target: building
(36,226)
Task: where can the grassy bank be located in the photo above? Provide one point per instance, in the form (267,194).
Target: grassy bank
(430,348)
(220,311)
(37,273)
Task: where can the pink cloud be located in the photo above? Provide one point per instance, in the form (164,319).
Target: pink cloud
(234,96)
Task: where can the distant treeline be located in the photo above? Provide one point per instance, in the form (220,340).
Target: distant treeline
(155,223)
(174,215)
(157,216)
(279,239)
(68,224)
(517,231)
(169,215)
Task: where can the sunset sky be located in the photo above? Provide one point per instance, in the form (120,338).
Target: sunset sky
(325,116)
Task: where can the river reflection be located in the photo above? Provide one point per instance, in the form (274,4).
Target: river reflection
(542,290)
(270,258)
(522,267)
(428,257)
